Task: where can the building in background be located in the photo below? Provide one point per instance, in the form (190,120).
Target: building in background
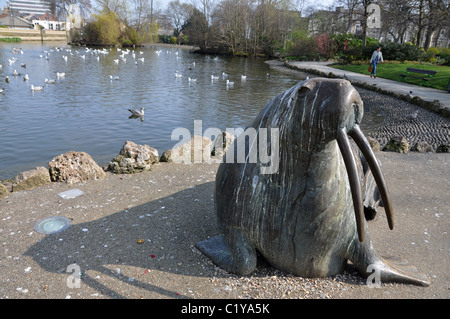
(48,22)
(10,21)
(29,7)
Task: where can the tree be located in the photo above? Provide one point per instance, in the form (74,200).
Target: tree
(140,12)
(179,13)
(119,7)
(61,8)
(197,29)
(232,15)
(358,10)
(206,7)
(103,29)
(397,17)
(437,16)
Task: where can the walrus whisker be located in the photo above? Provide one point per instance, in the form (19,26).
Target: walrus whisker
(355,185)
(365,148)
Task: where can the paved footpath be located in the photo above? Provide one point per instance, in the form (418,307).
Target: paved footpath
(425,93)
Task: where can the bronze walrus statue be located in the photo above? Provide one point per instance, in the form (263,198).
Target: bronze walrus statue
(301,217)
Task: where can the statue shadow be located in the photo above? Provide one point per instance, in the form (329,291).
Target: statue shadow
(158,235)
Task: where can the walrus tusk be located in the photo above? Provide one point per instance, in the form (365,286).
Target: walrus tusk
(365,148)
(355,185)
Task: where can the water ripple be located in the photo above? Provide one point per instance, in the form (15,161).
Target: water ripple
(87,111)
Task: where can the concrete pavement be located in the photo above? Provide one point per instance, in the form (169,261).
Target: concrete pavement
(425,93)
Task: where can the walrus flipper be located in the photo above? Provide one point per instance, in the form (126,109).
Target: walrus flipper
(242,260)
(394,269)
(399,270)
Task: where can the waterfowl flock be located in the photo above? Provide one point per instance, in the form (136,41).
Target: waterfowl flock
(63,58)
(69,53)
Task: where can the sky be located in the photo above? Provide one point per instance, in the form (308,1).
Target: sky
(163,3)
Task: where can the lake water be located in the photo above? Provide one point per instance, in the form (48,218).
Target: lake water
(87,111)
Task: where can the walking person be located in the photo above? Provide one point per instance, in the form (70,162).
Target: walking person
(376,58)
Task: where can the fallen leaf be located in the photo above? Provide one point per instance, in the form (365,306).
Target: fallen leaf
(140,241)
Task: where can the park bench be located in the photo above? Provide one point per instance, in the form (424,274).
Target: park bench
(426,75)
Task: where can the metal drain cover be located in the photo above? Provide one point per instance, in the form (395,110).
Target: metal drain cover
(52,225)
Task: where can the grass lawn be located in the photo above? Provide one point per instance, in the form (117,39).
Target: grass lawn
(393,71)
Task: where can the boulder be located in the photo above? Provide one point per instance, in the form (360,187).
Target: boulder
(397,144)
(29,179)
(197,150)
(3,191)
(134,158)
(221,144)
(73,167)
(422,147)
(166,156)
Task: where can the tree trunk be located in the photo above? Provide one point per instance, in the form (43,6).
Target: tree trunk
(419,25)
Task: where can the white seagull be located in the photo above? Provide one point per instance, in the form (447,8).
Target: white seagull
(26,77)
(136,112)
(49,81)
(229,84)
(36,88)
(114,77)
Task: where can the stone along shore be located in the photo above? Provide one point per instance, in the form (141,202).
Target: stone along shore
(174,202)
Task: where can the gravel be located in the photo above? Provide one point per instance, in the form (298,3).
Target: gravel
(133,236)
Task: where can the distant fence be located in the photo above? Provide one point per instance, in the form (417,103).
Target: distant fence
(33,35)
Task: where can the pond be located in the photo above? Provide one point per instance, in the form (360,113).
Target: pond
(85,110)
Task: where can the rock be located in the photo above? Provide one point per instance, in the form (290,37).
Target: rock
(197,150)
(36,177)
(373,144)
(397,144)
(73,167)
(221,144)
(422,147)
(166,156)
(134,158)
(3,191)
(443,149)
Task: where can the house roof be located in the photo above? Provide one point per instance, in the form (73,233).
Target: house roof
(46,16)
(5,19)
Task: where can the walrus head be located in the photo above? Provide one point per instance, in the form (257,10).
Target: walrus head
(331,109)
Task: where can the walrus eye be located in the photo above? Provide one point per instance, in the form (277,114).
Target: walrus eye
(352,172)
(303,91)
